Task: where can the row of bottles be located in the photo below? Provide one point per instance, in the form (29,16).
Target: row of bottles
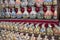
(31,28)
(23,3)
(11,35)
(29,13)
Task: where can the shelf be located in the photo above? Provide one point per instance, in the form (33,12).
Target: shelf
(31,21)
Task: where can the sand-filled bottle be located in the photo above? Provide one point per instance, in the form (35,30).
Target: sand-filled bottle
(30,30)
(36,29)
(13,14)
(49,30)
(25,14)
(43,30)
(33,13)
(24,3)
(7,13)
(40,14)
(11,3)
(55,13)
(49,13)
(17,3)
(19,13)
(48,2)
(31,2)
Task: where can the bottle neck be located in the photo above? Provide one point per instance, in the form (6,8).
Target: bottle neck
(6,9)
(18,9)
(55,8)
(25,8)
(12,9)
(33,8)
(41,9)
(48,7)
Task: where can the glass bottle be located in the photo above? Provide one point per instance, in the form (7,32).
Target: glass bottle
(39,37)
(56,29)
(48,2)
(12,3)
(30,30)
(24,3)
(27,36)
(54,2)
(33,37)
(25,28)
(6,3)
(39,2)
(21,27)
(55,13)
(36,30)
(43,30)
(25,14)
(2,13)
(17,3)
(33,13)
(31,2)
(52,38)
(49,13)
(13,14)
(40,14)
(49,30)
(46,38)
(7,13)
(2,4)
(19,13)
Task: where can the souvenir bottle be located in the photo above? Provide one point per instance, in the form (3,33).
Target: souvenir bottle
(39,37)
(27,37)
(56,30)
(31,2)
(7,13)
(17,3)
(52,38)
(13,14)
(49,30)
(25,14)
(24,3)
(30,30)
(19,13)
(46,38)
(22,36)
(25,28)
(55,13)
(32,37)
(49,13)
(48,2)
(21,27)
(40,14)
(2,13)
(36,30)
(39,2)
(12,3)
(54,2)
(33,13)
(2,4)
(0,8)
(43,30)
(6,3)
